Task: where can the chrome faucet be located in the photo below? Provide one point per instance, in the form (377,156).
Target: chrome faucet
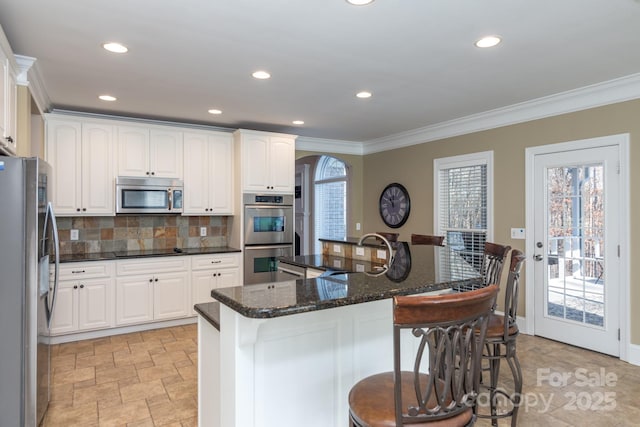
(386,242)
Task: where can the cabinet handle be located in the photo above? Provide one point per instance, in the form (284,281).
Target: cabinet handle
(77,209)
(151,280)
(81,286)
(156,279)
(84,209)
(77,271)
(147,172)
(153,173)
(75,286)
(216,261)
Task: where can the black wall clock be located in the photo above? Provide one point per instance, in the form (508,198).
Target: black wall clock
(394,205)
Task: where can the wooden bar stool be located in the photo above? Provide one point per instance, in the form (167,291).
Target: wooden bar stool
(425,239)
(450,331)
(502,332)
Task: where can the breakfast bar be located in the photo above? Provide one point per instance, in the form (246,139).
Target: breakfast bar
(287,353)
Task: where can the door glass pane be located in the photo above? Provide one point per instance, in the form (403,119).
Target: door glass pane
(575,219)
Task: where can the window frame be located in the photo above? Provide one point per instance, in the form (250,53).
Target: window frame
(464,160)
(315,182)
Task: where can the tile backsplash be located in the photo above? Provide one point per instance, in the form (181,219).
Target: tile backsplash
(140,232)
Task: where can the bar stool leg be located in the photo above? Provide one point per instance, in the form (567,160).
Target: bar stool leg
(516,371)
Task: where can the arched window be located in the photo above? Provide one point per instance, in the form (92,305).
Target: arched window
(330,189)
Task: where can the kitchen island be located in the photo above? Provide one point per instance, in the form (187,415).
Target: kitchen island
(287,353)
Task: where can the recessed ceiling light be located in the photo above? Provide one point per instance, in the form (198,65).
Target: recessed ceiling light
(107,98)
(115,47)
(215,111)
(261,75)
(363,94)
(359,2)
(488,41)
(298,122)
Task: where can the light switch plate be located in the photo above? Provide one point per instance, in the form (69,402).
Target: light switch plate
(203,231)
(359,251)
(517,233)
(74,234)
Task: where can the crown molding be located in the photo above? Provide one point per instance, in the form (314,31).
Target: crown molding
(30,76)
(609,92)
(24,63)
(329,145)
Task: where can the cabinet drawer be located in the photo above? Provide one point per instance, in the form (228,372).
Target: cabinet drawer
(202,262)
(71,271)
(152,266)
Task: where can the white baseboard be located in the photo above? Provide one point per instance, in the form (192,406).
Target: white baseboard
(59,339)
(633,354)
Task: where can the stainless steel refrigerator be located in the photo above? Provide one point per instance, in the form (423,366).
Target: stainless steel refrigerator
(28,246)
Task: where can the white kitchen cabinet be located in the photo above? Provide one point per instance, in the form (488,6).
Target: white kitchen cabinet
(268,161)
(213,271)
(81,155)
(146,152)
(85,298)
(208,173)
(152,289)
(8,97)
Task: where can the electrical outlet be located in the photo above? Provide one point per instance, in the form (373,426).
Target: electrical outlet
(74,235)
(359,251)
(336,249)
(357,226)
(517,233)
(203,231)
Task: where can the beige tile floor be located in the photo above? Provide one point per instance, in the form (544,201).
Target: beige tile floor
(139,379)
(150,379)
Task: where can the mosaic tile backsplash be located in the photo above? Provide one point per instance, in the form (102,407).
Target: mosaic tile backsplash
(135,232)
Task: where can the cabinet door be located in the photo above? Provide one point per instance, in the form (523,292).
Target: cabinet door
(228,278)
(95,304)
(196,174)
(282,164)
(202,283)
(134,300)
(97,169)
(171,296)
(255,152)
(63,152)
(133,151)
(221,175)
(166,153)
(65,312)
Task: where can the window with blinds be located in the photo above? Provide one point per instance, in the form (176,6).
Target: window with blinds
(463,209)
(330,189)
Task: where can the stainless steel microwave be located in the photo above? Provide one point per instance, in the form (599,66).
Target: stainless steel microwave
(148,195)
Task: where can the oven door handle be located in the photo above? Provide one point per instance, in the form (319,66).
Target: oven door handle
(278,246)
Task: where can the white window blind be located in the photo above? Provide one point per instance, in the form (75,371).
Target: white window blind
(330,189)
(463,208)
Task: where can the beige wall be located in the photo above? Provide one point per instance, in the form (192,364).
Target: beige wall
(413,167)
(354,163)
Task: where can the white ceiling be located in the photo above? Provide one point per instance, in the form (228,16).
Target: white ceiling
(416,56)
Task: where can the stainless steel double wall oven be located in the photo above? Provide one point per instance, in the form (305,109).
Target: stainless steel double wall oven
(268,234)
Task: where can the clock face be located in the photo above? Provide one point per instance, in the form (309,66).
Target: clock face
(394,205)
(401,265)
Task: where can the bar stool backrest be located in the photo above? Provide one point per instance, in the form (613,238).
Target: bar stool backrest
(493,260)
(425,239)
(450,330)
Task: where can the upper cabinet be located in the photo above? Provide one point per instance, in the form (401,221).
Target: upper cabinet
(149,152)
(81,155)
(208,173)
(267,161)
(8,97)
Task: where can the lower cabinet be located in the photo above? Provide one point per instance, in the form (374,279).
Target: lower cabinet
(147,290)
(210,272)
(85,298)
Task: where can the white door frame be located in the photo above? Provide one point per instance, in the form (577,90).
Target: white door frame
(622,141)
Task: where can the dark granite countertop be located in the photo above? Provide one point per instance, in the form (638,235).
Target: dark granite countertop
(416,269)
(107,256)
(210,311)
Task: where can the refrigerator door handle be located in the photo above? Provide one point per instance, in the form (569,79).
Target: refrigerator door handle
(51,216)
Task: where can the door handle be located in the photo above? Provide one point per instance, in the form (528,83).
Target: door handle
(538,257)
